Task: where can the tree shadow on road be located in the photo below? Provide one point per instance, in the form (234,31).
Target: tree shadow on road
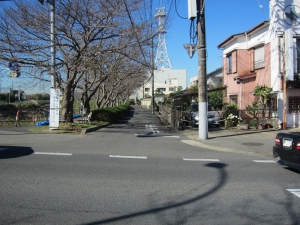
(174,205)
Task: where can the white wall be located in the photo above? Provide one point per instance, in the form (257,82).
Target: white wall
(166,78)
(280,26)
(164,75)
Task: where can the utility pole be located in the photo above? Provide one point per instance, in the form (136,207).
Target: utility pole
(52,33)
(202,83)
(54,92)
(53,51)
(284,85)
(152,75)
(152,65)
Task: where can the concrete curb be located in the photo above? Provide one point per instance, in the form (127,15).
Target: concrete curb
(87,130)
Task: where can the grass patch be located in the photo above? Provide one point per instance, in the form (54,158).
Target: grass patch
(72,128)
(12,123)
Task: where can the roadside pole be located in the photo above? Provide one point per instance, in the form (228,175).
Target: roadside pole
(52,33)
(53,51)
(202,83)
(54,92)
(152,75)
(284,86)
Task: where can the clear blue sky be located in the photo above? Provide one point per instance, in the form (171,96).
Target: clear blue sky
(223,18)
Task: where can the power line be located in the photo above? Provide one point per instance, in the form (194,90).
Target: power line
(177,11)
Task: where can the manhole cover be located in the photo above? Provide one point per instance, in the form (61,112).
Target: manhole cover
(252,144)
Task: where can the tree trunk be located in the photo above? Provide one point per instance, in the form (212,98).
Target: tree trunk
(67,106)
(86,103)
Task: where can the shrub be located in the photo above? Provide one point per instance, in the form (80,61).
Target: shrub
(232,121)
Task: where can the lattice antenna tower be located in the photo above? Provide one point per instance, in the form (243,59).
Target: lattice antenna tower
(162,58)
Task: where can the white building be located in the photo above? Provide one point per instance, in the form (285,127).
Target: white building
(167,80)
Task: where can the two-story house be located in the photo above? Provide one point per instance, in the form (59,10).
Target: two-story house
(268,54)
(213,79)
(246,63)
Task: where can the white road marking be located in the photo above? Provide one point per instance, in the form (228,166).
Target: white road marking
(202,160)
(295,192)
(1,149)
(154,132)
(52,153)
(264,161)
(155,135)
(128,157)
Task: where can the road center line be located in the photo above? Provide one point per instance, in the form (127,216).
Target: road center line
(128,157)
(264,161)
(52,153)
(202,160)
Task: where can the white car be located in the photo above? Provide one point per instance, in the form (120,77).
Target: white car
(192,115)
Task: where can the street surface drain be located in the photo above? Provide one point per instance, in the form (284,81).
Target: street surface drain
(252,144)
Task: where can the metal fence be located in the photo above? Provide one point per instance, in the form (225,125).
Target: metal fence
(8,115)
(244,114)
(173,116)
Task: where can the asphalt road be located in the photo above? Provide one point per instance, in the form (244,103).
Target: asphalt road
(138,172)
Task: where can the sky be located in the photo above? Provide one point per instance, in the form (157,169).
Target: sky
(223,18)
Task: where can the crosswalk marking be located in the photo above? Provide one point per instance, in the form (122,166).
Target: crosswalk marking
(264,161)
(128,157)
(295,192)
(202,160)
(152,131)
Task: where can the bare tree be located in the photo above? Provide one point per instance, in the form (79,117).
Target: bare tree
(85,30)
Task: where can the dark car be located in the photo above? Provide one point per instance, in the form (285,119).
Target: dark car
(287,149)
(192,115)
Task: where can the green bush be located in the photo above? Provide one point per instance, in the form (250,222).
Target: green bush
(110,114)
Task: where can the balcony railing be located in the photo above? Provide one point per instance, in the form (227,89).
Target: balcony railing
(297,77)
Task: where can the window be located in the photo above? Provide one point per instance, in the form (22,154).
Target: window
(298,56)
(259,57)
(162,89)
(229,63)
(233,99)
(147,89)
(171,89)
(232,62)
(272,103)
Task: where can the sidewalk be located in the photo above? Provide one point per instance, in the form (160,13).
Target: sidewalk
(251,142)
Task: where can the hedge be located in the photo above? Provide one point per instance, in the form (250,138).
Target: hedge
(110,114)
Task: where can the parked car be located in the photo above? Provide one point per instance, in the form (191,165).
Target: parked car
(287,149)
(192,115)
